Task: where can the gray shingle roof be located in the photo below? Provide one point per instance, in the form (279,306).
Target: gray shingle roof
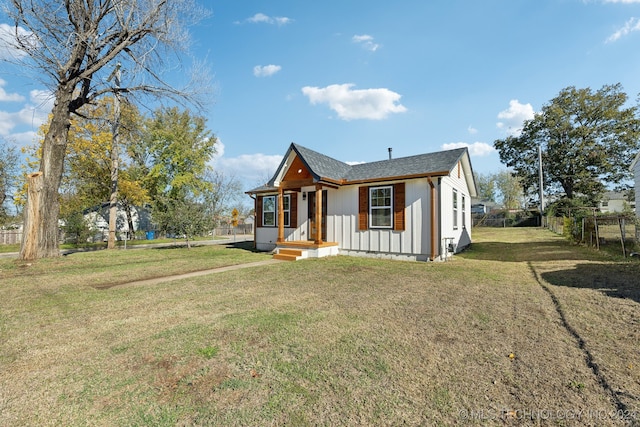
(322,166)
(423,164)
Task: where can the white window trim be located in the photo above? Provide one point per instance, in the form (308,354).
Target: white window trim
(286,211)
(464,208)
(455,209)
(390,207)
(275,211)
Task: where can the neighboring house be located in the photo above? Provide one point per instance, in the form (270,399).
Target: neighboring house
(635,167)
(416,207)
(478,209)
(614,201)
(97,219)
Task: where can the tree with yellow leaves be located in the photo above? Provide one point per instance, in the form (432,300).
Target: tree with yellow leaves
(86,181)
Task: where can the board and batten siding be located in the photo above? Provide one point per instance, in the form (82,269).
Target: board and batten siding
(461,234)
(343,221)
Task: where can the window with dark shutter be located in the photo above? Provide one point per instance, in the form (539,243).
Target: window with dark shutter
(398,206)
(363,208)
(293,214)
(259,211)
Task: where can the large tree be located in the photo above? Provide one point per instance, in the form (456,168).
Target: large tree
(172,162)
(8,173)
(71,45)
(176,150)
(486,184)
(587,138)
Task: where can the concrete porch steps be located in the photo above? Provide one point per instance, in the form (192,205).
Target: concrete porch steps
(286,254)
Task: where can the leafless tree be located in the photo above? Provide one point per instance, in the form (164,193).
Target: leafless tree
(73,46)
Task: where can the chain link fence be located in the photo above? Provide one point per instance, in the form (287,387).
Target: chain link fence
(613,233)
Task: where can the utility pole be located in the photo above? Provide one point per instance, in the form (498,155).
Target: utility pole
(541,182)
(113,199)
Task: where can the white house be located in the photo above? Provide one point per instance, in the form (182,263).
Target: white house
(635,167)
(97,218)
(615,201)
(416,207)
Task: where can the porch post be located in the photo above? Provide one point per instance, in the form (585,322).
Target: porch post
(318,237)
(280,215)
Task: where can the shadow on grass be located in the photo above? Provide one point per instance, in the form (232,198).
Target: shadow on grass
(246,245)
(546,250)
(619,280)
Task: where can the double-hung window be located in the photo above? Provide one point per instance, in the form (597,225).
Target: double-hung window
(455,209)
(380,206)
(286,201)
(269,211)
(464,211)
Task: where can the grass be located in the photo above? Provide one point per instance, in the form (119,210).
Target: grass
(120,243)
(521,328)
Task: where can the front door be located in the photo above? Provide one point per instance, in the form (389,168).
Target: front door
(311,215)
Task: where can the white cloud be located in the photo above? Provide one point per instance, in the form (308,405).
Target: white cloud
(261,18)
(24,139)
(622,1)
(629,27)
(266,70)
(472,130)
(219,146)
(7,42)
(366,41)
(478,149)
(21,126)
(513,118)
(8,97)
(372,104)
(252,170)
(42,101)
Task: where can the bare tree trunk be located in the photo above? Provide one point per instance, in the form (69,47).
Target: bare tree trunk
(29,247)
(51,165)
(113,200)
(127,210)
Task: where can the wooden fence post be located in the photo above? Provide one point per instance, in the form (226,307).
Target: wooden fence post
(30,233)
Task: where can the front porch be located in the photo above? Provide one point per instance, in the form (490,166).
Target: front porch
(295,250)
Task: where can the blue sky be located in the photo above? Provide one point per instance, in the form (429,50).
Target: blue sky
(351,78)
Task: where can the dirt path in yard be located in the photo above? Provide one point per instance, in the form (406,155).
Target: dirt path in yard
(157,280)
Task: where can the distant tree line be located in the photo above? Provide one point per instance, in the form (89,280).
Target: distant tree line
(503,188)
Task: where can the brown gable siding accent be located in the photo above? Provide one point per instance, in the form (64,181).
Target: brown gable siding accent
(259,211)
(293,174)
(363,208)
(293,210)
(398,206)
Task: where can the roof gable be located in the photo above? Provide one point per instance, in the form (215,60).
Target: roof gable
(297,171)
(318,167)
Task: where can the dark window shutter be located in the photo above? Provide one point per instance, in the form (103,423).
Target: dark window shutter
(363,208)
(398,206)
(293,210)
(259,211)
